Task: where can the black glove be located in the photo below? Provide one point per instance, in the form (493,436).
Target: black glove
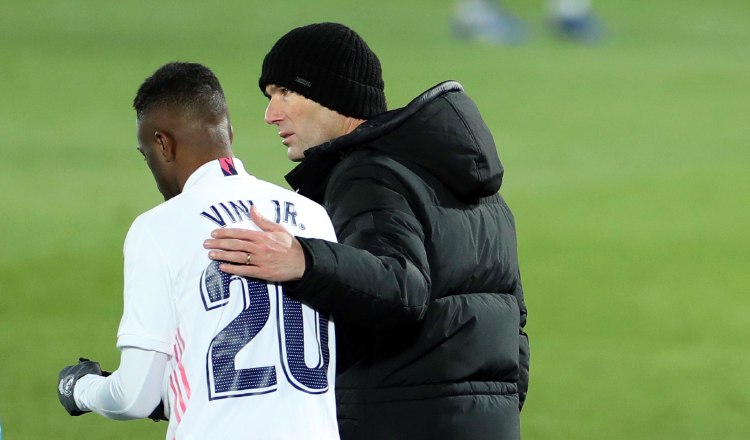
(66,382)
(158,413)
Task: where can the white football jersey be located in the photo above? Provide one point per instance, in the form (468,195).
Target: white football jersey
(246,361)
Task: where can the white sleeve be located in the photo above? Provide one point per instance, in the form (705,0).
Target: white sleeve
(131,392)
(148,320)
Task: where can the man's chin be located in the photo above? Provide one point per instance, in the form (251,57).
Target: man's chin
(293,155)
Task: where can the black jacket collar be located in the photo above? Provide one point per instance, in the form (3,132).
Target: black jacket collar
(450,140)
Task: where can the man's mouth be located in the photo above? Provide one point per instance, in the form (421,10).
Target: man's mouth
(285,135)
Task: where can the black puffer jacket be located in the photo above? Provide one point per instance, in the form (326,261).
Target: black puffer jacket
(425,288)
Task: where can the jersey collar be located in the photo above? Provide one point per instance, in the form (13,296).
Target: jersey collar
(216,170)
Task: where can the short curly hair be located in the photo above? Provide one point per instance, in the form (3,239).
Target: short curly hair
(185,87)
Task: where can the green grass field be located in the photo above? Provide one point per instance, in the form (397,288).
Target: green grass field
(626,166)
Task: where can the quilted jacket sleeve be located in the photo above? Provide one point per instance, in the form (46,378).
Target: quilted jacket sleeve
(377,275)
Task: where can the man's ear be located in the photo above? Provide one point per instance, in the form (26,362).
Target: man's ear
(165,145)
(231,134)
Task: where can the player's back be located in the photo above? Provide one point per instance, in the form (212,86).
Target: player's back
(247,362)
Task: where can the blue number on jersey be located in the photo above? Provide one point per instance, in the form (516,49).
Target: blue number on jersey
(224,380)
(312,380)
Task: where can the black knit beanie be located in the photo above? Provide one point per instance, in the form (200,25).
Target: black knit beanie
(329,64)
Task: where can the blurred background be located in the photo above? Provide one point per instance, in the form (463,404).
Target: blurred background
(626,167)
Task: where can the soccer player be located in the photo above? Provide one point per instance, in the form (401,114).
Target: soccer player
(489,21)
(233,357)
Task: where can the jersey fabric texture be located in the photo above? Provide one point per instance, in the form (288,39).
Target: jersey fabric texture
(245,360)
(430,319)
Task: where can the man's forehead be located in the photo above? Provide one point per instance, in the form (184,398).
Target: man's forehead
(270,88)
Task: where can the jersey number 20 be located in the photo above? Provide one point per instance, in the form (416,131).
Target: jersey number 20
(224,379)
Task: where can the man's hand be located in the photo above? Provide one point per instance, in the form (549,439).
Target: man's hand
(66,382)
(271,254)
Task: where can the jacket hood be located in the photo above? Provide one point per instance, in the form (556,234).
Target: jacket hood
(441,130)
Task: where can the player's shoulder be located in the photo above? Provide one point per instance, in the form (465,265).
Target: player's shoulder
(307,204)
(309,213)
(149,219)
(288,194)
(154,213)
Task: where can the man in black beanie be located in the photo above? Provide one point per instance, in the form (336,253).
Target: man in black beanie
(424,285)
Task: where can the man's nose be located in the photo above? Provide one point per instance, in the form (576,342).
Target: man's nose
(273,114)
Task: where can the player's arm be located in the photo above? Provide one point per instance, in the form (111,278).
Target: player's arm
(131,392)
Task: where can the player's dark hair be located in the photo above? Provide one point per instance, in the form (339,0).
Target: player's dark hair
(184,87)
